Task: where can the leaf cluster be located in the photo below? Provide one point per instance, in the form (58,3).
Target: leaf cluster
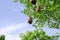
(36,35)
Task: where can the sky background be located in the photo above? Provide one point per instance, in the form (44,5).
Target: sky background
(13,22)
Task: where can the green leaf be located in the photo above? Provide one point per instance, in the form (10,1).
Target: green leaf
(15,0)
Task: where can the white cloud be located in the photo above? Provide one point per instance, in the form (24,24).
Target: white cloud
(12,37)
(12,28)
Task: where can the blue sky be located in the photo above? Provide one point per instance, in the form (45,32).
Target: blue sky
(13,22)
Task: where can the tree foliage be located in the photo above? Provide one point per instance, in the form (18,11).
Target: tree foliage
(41,11)
(36,35)
(49,11)
(2,37)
